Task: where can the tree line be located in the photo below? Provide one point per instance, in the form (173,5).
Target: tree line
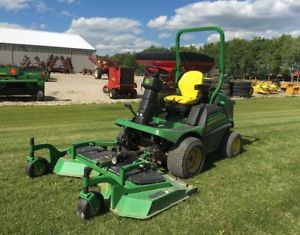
(256,58)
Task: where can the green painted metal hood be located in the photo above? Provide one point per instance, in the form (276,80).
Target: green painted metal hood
(168,130)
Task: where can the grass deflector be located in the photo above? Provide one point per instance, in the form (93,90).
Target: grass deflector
(175,130)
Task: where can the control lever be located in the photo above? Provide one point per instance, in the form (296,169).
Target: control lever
(128,106)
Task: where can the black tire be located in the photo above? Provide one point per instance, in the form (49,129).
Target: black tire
(40,96)
(113,94)
(105,89)
(241,84)
(226,92)
(251,91)
(207,82)
(84,209)
(234,87)
(226,88)
(225,85)
(232,144)
(187,158)
(38,168)
(244,90)
(242,94)
(133,94)
(98,73)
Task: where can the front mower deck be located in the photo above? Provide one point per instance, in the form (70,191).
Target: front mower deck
(129,185)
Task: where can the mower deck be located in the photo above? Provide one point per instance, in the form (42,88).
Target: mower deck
(129,184)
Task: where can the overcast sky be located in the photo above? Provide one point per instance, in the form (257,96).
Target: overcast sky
(119,26)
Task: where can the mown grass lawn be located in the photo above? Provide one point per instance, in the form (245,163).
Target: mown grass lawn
(257,192)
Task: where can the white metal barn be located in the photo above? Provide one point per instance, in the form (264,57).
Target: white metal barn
(16,43)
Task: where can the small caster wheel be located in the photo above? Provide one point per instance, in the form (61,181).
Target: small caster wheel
(37,168)
(84,208)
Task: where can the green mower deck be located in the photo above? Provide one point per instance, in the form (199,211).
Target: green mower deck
(130,186)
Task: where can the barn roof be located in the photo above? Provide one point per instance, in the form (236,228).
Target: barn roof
(43,38)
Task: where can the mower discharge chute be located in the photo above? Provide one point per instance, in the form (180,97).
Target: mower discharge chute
(176,130)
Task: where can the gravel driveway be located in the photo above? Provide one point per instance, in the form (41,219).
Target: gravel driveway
(71,89)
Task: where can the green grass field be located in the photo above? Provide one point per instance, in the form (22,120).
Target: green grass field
(257,192)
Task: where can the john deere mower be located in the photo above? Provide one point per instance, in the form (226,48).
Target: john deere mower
(176,130)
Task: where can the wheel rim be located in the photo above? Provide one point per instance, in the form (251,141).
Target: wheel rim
(194,160)
(105,89)
(236,145)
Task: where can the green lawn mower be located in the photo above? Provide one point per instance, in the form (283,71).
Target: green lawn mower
(173,130)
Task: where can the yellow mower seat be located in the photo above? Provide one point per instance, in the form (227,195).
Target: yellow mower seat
(186,86)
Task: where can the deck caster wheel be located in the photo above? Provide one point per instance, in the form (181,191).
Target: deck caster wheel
(187,158)
(37,168)
(232,144)
(89,208)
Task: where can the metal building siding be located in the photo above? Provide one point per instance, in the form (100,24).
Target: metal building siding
(81,61)
(79,57)
(43,38)
(5,57)
(78,61)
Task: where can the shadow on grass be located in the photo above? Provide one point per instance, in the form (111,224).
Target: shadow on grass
(212,158)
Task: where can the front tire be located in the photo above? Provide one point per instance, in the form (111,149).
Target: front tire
(187,158)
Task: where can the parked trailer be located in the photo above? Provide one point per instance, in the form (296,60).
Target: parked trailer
(23,81)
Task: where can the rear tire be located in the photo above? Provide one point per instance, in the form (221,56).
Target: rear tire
(232,144)
(187,158)
(113,94)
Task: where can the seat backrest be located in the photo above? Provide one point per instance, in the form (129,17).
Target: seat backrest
(187,83)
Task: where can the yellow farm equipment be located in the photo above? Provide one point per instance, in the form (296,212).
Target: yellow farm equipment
(265,87)
(291,88)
